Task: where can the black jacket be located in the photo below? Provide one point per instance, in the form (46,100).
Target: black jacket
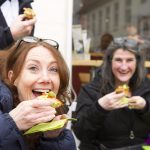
(6,38)
(113,129)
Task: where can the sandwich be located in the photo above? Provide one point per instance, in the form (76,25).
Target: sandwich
(125,89)
(51,95)
(29,13)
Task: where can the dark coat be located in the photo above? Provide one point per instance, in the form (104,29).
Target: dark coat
(6,38)
(114,129)
(11,138)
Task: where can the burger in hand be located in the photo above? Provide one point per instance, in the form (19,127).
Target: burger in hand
(29,13)
(51,95)
(125,89)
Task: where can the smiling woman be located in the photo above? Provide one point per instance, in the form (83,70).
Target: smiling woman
(34,66)
(108,119)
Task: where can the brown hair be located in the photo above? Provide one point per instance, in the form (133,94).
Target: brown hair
(107,75)
(15,61)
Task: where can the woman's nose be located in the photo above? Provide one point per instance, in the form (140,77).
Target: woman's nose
(45,77)
(124,65)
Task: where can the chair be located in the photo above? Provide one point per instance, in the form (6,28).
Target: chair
(84,78)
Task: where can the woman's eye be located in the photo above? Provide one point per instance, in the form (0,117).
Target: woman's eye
(130,60)
(117,60)
(33,69)
(53,69)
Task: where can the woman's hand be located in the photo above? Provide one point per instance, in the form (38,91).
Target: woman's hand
(57,132)
(111,101)
(31,112)
(136,102)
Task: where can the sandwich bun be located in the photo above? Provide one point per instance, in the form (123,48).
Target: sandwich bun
(51,95)
(29,13)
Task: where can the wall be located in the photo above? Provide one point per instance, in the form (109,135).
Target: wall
(54,21)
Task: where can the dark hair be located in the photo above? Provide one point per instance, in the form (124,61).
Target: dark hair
(15,61)
(105,40)
(107,75)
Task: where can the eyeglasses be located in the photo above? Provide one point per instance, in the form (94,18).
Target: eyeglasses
(125,43)
(32,39)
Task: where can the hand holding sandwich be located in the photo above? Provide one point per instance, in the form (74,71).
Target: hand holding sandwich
(57,132)
(111,101)
(21,27)
(31,112)
(136,102)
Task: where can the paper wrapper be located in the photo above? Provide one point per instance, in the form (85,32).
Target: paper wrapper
(53,125)
(124,100)
(146,147)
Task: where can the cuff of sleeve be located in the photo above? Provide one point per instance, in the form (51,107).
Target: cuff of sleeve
(61,136)
(101,109)
(145,110)
(11,122)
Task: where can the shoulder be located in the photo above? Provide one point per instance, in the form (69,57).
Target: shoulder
(146,83)
(6,100)
(144,88)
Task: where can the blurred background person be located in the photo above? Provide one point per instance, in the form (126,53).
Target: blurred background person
(105,41)
(14,26)
(132,33)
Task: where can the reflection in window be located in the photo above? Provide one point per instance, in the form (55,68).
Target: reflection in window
(128,11)
(128,3)
(93,24)
(116,15)
(107,19)
(146,26)
(88,22)
(100,21)
(143,1)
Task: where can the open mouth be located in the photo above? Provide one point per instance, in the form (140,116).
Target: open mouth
(40,92)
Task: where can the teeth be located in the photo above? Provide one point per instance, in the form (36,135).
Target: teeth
(42,91)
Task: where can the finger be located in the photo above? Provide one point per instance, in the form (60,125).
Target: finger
(57,118)
(131,107)
(117,105)
(44,119)
(44,109)
(21,17)
(34,114)
(40,103)
(132,102)
(45,114)
(64,116)
(120,95)
(113,93)
(30,22)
